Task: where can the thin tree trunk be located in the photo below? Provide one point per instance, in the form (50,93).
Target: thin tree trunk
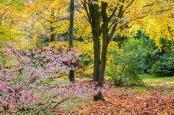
(119,41)
(52,28)
(71,76)
(98,95)
(71,24)
(52,36)
(70,37)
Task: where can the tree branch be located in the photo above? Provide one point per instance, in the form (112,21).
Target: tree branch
(131,21)
(112,13)
(128,5)
(84,3)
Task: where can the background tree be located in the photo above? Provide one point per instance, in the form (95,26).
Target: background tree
(9,17)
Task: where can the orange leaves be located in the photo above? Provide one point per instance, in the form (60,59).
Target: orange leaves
(129,103)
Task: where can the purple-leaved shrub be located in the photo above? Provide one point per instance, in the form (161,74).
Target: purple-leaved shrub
(23,72)
(22,80)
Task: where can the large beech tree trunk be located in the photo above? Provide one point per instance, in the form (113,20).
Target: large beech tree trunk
(95,15)
(102,64)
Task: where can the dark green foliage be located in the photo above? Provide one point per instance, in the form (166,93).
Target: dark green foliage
(140,55)
(147,53)
(151,59)
(164,66)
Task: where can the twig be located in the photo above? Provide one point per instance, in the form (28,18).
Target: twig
(61,101)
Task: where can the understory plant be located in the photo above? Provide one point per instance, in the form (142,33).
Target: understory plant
(123,66)
(22,73)
(164,66)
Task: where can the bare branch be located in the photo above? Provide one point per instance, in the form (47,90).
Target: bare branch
(115,21)
(86,10)
(113,13)
(128,5)
(112,32)
(131,21)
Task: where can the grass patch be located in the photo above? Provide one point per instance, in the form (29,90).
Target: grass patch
(155,79)
(152,83)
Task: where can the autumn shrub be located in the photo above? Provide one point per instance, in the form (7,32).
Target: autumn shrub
(123,66)
(21,79)
(85,54)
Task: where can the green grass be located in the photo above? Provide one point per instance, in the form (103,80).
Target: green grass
(150,83)
(153,79)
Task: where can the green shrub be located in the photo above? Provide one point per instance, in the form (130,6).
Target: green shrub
(147,53)
(123,67)
(164,66)
(140,55)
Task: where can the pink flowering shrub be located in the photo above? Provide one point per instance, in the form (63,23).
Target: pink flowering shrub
(21,76)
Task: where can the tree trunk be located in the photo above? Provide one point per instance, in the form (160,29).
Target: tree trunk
(96,33)
(70,37)
(52,36)
(104,30)
(52,28)
(71,24)
(71,76)
(102,65)
(119,41)
(98,95)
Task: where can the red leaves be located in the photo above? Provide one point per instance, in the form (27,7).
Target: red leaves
(129,103)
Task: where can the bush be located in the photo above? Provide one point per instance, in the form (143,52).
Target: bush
(123,67)
(147,52)
(164,66)
(152,57)
(22,76)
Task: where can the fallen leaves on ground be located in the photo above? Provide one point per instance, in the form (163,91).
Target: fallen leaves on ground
(131,103)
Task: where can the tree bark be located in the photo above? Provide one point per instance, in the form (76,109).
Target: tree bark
(70,37)
(71,24)
(98,76)
(52,28)
(119,41)
(71,76)
(52,36)
(102,66)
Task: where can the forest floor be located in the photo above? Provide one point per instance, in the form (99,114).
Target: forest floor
(155,97)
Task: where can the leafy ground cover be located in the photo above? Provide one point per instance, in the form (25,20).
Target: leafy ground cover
(126,102)
(155,97)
